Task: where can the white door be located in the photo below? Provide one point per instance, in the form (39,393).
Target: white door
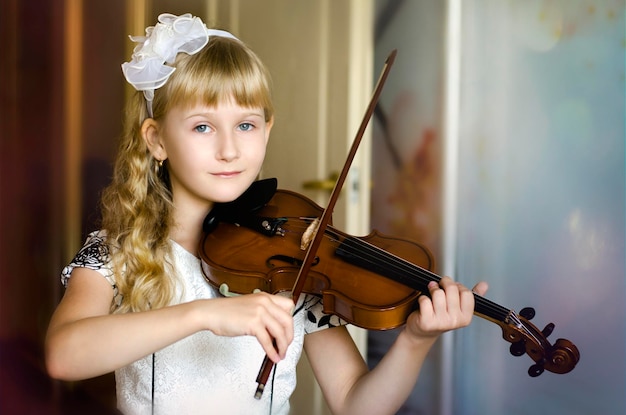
(320,55)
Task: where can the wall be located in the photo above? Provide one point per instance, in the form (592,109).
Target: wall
(34,191)
(540,182)
(541,198)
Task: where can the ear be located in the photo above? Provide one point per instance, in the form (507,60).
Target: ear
(150,134)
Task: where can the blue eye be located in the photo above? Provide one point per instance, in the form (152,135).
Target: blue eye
(202,128)
(246,126)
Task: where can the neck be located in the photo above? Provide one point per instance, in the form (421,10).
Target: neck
(187,228)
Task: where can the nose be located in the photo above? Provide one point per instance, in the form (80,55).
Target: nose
(227,147)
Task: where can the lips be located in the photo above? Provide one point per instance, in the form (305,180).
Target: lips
(227,174)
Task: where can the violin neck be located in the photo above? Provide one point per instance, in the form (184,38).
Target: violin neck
(404,272)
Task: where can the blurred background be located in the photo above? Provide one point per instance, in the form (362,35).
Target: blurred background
(498,143)
(502,149)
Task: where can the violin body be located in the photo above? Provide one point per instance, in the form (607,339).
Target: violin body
(272,263)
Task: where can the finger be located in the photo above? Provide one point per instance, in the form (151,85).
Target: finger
(481,288)
(271,323)
(467,304)
(461,301)
(282,335)
(280,307)
(268,343)
(273,337)
(285,303)
(426,309)
(446,298)
(437,297)
(453,291)
(284,315)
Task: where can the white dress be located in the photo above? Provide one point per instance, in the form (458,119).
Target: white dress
(203,373)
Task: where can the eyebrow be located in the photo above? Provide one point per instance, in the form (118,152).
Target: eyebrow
(213,113)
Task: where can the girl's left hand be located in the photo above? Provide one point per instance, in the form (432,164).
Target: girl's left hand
(450,306)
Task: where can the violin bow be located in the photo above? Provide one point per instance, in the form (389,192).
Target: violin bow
(324,220)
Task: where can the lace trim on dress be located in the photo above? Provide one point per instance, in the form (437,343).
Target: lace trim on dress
(94,255)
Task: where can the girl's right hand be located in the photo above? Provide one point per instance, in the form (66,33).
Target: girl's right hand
(267,317)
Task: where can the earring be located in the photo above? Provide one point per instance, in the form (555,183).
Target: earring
(157,166)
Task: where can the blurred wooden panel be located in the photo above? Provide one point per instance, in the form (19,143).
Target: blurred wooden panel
(35,192)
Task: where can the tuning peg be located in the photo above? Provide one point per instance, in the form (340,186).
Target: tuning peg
(527,312)
(535,370)
(518,348)
(547,330)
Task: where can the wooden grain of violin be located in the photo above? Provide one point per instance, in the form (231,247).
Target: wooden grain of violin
(372,282)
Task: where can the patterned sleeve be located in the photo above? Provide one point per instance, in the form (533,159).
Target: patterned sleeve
(315,318)
(93,255)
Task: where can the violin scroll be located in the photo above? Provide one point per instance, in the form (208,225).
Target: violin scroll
(526,338)
(563,358)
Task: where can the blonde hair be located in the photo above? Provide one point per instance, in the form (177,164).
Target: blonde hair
(137,205)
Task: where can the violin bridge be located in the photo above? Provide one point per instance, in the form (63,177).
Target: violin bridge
(309,234)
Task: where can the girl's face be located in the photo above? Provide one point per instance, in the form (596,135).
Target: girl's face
(213,153)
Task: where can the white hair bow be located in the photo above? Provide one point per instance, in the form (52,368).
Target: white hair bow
(147,69)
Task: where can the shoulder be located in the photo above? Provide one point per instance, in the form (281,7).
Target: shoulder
(94,255)
(95,251)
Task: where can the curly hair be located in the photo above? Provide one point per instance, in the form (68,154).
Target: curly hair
(137,205)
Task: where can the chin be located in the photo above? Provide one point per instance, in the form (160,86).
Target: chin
(231,192)
(224,199)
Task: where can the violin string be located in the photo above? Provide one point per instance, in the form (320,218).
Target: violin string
(421,274)
(497,311)
(520,325)
(375,255)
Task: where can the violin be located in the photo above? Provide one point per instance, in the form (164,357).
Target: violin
(276,240)
(258,242)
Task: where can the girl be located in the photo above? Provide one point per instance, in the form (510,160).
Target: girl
(136,301)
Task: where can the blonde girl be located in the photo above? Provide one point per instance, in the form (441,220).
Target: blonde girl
(136,301)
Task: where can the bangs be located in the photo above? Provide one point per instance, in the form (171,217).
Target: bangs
(225,69)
